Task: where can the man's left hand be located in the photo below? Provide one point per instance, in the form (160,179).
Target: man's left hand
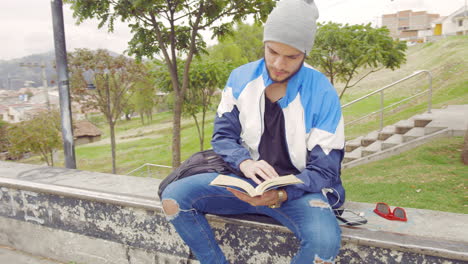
(266,199)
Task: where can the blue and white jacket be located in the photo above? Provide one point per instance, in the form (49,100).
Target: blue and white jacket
(313,123)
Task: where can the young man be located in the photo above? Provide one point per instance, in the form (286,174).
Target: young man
(277,116)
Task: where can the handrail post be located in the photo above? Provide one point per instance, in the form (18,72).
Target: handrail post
(381,109)
(429,107)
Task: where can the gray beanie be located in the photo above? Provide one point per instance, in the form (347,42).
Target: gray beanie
(294,23)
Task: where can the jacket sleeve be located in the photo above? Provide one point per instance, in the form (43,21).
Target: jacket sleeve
(322,172)
(226,140)
(325,145)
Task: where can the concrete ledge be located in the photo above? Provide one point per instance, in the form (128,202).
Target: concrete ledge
(102,218)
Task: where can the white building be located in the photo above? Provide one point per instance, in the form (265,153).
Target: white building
(20,112)
(453,24)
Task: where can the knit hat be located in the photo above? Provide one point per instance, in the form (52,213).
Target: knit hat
(293,22)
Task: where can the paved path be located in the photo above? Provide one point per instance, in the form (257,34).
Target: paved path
(10,255)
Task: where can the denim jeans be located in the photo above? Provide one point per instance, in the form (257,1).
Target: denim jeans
(310,218)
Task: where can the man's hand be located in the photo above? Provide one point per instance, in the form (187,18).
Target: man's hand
(255,169)
(266,199)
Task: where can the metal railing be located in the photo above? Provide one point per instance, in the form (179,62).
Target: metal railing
(381,91)
(145,170)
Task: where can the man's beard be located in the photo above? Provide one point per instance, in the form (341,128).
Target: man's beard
(290,76)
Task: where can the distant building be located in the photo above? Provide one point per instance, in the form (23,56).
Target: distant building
(453,24)
(409,25)
(85,132)
(15,113)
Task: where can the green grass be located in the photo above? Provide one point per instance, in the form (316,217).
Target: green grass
(132,154)
(431,176)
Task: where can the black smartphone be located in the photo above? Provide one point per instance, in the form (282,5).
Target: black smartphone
(351,218)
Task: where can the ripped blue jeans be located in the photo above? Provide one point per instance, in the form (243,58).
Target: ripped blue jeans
(310,218)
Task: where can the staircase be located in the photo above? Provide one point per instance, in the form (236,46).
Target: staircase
(406,134)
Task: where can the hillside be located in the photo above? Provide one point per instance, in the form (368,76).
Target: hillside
(12,76)
(446,59)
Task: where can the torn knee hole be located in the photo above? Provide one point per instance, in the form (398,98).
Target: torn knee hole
(318,260)
(319,203)
(170,207)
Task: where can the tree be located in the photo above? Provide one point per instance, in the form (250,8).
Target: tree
(113,78)
(206,77)
(342,51)
(40,135)
(145,98)
(172,29)
(3,136)
(244,45)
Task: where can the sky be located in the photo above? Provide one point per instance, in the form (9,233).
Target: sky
(26,25)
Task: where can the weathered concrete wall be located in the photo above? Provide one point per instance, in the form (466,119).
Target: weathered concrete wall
(85,224)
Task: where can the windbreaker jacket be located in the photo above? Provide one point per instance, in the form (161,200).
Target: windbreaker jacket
(313,126)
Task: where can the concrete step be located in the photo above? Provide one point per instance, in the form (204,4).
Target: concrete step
(435,126)
(353,144)
(386,132)
(423,119)
(353,155)
(403,126)
(414,133)
(369,138)
(457,108)
(392,141)
(372,148)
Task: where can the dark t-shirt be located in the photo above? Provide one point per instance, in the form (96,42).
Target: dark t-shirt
(273,148)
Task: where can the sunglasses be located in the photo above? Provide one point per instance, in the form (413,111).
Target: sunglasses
(384,211)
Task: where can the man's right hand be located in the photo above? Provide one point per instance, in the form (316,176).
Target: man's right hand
(257,170)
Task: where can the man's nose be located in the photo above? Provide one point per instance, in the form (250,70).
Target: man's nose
(280,63)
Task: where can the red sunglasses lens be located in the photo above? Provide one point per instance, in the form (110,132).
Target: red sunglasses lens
(383,208)
(399,213)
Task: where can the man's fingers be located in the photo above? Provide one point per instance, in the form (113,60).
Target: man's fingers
(255,179)
(268,169)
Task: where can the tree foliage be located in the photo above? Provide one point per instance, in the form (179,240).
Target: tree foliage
(344,51)
(172,29)
(243,46)
(3,136)
(206,77)
(114,79)
(40,135)
(145,99)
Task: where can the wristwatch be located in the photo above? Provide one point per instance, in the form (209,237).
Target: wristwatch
(280,200)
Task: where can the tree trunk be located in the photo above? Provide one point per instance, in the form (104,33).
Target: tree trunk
(464,154)
(52,157)
(112,137)
(202,142)
(200,139)
(176,131)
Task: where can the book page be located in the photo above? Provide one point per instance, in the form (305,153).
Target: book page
(277,182)
(228,181)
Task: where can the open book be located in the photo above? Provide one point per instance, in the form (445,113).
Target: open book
(228,181)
